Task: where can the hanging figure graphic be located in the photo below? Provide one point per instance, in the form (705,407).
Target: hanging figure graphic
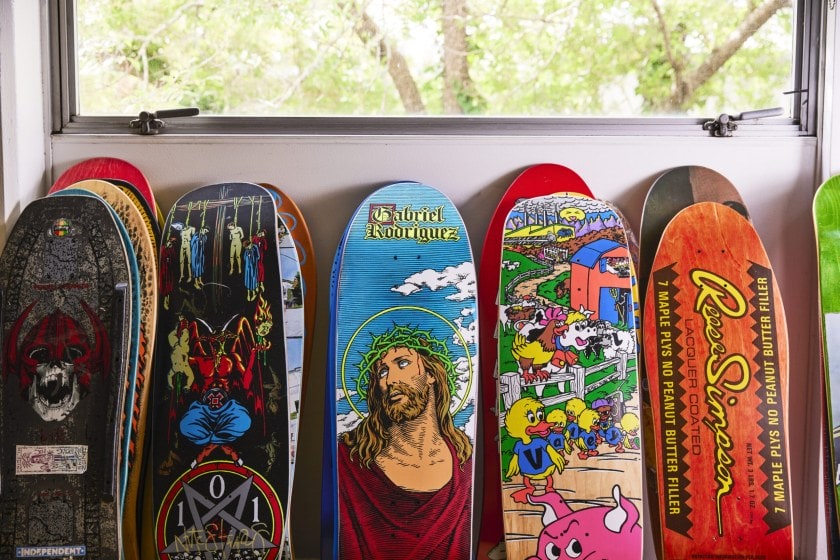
(198,243)
(185,254)
(167,270)
(251,252)
(260,241)
(236,236)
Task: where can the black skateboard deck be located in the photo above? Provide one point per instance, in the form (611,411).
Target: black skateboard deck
(220,435)
(65,305)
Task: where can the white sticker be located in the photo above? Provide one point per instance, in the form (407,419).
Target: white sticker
(51,459)
(50,551)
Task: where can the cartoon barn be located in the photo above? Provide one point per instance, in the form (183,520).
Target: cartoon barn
(595,272)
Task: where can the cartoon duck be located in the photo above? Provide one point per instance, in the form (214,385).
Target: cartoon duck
(587,441)
(557,438)
(630,426)
(533,457)
(574,407)
(534,350)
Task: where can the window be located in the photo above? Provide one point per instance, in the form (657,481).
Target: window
(455,58)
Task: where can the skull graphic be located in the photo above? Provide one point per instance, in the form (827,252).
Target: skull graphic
(55,361)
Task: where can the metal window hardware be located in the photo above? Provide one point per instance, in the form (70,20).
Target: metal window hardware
(725,124)
(151,122)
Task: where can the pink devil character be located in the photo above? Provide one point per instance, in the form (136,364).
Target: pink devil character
(594,532)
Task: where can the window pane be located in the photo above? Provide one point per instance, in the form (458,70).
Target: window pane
(443,57)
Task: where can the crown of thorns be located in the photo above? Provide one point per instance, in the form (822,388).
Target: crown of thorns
(403,336)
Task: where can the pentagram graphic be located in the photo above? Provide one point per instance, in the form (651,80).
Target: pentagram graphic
(220,511)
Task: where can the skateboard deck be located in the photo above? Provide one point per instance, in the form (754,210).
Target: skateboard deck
(405,389)
(716,357)
(66,301)
(293,219)
(568,383)
(329,482)
(151,220)
(674,190)
(827,227)
(294,328)
(131,330)
(221,445)
(135,444)
(535,181)
(108,168)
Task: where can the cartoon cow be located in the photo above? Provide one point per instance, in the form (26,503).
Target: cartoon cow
(594,532)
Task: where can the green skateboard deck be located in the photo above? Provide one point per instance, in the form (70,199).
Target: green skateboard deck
(827,228)
(568,382)
(716,358)
(65,309)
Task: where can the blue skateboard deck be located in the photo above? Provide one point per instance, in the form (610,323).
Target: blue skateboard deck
(329,482)
(66,301)
(221,438)
(405,323)
(294,330)
(569,403)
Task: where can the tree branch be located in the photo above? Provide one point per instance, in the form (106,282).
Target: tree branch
(389,56)
(723,52)
(459,90)
(676,65)
(144,46)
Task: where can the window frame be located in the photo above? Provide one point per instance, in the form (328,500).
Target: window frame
(809,17)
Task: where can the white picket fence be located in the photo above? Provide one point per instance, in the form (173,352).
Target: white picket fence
(570,383)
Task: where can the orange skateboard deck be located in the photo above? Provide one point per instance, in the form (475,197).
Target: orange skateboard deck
(716,356)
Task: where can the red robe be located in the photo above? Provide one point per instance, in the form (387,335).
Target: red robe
(379,520)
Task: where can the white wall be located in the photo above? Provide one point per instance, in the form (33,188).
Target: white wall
(23,140)
(329,176)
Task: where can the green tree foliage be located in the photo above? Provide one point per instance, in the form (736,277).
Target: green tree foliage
(476,57)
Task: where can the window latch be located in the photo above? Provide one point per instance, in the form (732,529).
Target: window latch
(151,122)
(725,124)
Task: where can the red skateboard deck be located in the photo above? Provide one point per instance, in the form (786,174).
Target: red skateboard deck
(538,180)
(716,357)
(108,168)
